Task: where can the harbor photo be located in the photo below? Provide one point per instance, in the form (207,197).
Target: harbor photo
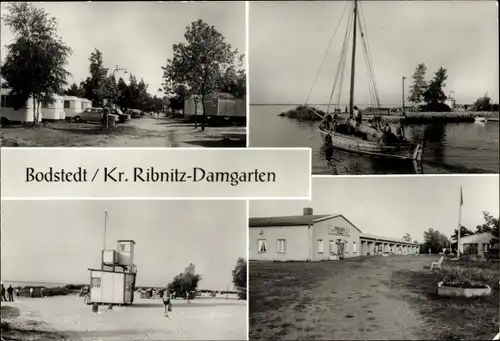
(121,74)
(377,87)
(124,270)
(377,258)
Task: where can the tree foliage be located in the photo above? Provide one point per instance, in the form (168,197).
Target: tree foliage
(483,103)
(407,237)
(434,240)
(185,281)
(490,224)
(419,86)
(240,278)
(201,64)
(99,85)
(34,65)
(464,231)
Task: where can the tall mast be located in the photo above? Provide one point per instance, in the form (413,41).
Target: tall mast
(353,60)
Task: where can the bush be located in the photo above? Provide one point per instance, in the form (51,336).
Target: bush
(467,277)
(48,292)
(303,113)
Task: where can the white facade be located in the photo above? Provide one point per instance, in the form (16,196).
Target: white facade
(73,106)
(25,114)
(125,253)
(109,287)
(54,110)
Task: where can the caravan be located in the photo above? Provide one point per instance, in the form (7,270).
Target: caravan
(53,111)
(8,114)
(73,107)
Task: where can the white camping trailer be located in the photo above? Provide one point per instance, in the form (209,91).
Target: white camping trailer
(86,103)
(53,111)
(8,114)
(114,283)
(72,106)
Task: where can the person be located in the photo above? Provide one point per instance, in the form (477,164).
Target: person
(334,122)
(370,124)
(4,299)
(10,293)
(387,128)
(31,293)
(17,292)
(357,115)
(326,124)
(105,117)
(167,302)
(42,291)
(400,132)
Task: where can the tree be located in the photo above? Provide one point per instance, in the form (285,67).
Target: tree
(199,63)
(483,103)
(490,224)
(464,231)
(407,237)
(185,281)
(434,240)
(234,80)
(240,278)
(419,86)
(434,95)
(75,90)
(34,65)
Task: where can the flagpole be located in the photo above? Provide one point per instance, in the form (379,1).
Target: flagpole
(105,227)
(459,222)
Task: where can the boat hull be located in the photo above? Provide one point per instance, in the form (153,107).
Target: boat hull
(402,151)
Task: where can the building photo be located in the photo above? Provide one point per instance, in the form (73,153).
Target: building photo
(377,258)
(124,270)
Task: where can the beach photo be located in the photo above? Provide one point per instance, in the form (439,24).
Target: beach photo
(377,87)
(123,74)
(377,258)
(124,270)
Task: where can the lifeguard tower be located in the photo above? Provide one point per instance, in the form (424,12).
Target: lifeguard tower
(114,283)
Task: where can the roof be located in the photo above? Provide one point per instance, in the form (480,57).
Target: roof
(126,241)
(478,238)
(72,98)
(297,220)
(388,239)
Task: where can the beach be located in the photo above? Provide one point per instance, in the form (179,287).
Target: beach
(68,318)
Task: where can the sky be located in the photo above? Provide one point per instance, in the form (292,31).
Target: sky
(394,206)
(57,241)
(288,41)
(137,36)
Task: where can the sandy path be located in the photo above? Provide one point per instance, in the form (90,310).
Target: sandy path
(201,319)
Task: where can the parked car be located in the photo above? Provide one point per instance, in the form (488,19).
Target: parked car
(134,113)
(95,115)
(122,118)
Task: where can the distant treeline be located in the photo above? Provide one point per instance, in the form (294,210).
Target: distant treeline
(48,292)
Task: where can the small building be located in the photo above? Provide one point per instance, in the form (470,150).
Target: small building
(219,107)
(475,244)
(115,282)
(312,237)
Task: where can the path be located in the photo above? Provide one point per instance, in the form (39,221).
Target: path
(348,300)
(204,318)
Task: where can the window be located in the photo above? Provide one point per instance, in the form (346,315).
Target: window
(354,247)
(95,282)
(261,246)
(67,105)
(122,247)
(486,247)
(320,246)
(333,247)
(346,246)
(281,245)
(44,105)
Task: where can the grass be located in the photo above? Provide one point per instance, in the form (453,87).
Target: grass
(467,277)
(367,298)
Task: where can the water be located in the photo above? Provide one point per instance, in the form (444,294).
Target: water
(450,147)
(24,284)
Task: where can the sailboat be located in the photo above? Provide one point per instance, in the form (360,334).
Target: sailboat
(370,141)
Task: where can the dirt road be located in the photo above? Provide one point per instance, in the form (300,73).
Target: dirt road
(144,132)
(202,319)
(349,300)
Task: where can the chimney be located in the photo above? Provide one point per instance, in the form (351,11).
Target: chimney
(308,211)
